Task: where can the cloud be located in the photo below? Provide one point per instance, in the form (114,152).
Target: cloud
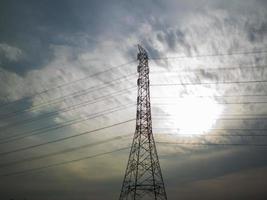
(41,51)
(9,52)
(218,188)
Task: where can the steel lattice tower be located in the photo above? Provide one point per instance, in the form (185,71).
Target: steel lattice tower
(143,178)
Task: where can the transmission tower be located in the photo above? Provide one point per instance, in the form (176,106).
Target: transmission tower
(143,178)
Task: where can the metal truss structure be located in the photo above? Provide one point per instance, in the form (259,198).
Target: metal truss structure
(143,177)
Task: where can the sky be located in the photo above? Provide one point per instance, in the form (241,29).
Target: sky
(68,94)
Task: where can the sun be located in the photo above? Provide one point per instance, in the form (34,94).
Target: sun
(194,115)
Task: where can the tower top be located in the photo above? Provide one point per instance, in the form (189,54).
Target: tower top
(141,49)
(142,52)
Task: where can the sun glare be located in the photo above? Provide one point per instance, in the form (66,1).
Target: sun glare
(195,115)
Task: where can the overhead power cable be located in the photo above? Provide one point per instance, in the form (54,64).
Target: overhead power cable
(62,139)
(68,83)
(215,129)
(116,139)
(220,118)
(124,148)
(220,103)
(209,96)
(177,134)
(74,121)
(213,144)
(64,162)
(222,115)
(210,55)
(121,65)
(77,106)
(198,69)
(64,151)
(210,83)
(65,97)
(92,89)
(46,129)
(39,131)
(42,130)
(66,109)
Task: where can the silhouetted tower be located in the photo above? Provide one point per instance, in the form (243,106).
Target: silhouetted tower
(143,178)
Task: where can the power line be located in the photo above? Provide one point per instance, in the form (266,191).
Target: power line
(62,139)
(64,162)
(121,65)
(124,64)
(79,93)
(25,148)
(218,129)
(66,109)
(186,70)
(74,94)
(223,103)
(102,98)
(210,96)
(214,144)
(124,148)
(69,150)
(81,104)
(92,116)
(160,104)
(112,68)
(221,118)
(64,98)
(86,103)
(213,135)
(210,55)
(95,115)
(223,115)
(68,123)
(210,83)
(115,139)
(68,83)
